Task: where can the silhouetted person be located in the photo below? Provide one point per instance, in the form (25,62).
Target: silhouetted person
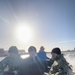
(43,57)
(11,62)
(32,65)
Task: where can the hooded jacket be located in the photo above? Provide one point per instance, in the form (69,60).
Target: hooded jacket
(60,66)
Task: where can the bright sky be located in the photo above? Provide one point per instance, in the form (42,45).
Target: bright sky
(52,23)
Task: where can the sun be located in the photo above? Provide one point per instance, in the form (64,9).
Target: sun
(24,33)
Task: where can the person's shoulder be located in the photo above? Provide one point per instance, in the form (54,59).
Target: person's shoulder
(39,52)
(62,61)
(5,60)
(44,52)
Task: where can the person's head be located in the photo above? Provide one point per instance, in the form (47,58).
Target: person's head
(55,52)
(42,48)
(32,51)
(13,51)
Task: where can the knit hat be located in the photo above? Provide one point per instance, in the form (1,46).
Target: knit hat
(56,50)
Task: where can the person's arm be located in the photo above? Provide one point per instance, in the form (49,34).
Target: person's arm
(63,67)
(50,62)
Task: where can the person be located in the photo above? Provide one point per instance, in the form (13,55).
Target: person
(60,65)
(11,62)
(43,57)
(42,54)
(32,65)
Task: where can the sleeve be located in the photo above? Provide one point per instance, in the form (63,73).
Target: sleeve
(63,68)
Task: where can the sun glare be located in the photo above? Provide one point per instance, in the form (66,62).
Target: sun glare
(24,33)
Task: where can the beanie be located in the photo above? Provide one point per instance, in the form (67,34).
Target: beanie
(56,50)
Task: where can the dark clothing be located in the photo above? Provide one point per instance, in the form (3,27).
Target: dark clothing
(56,50)
(42,56)
(50,62)
(11,63)
(32,67)
(45,60)
(8,73)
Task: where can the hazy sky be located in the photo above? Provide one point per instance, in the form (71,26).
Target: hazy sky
(53,22)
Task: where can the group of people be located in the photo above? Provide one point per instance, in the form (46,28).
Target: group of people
(35,64)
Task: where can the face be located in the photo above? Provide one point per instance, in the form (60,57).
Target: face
(32,53)
(42,48)
(54,55)
(12,54)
